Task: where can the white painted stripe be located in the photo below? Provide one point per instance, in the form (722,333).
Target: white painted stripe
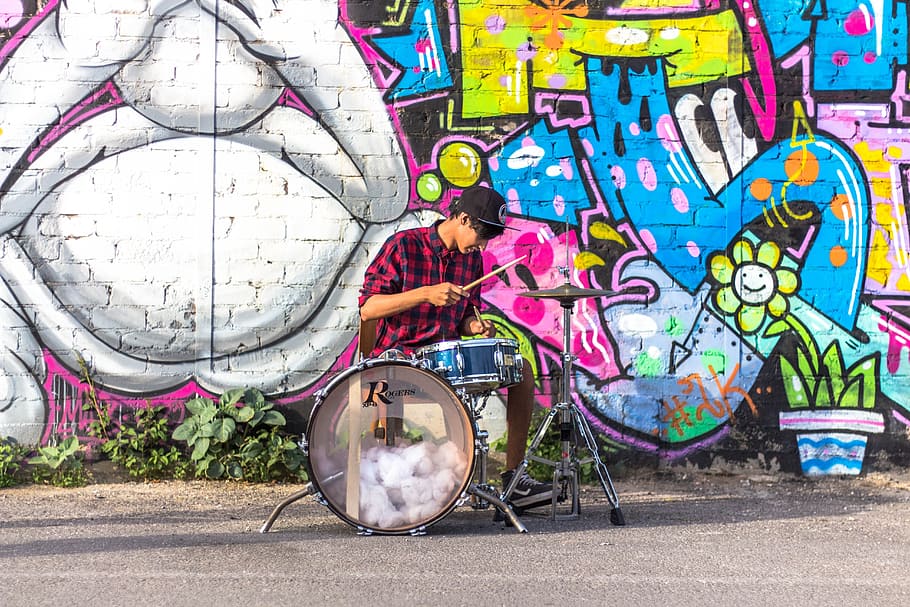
(840,419)
(428,15)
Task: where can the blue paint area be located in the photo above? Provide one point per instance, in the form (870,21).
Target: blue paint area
(834,466)
(538,171)
(420,53)
(687,404)
(787,22)
(831,442)
(839,174)
(826,455)
(641,177)
(845,59)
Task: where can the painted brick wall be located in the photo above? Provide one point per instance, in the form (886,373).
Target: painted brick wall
(191,192)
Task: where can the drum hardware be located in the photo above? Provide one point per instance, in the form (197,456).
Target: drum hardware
(572,422)
(567,294)
(477,403)
(483,448)
(442,439)
(308,489)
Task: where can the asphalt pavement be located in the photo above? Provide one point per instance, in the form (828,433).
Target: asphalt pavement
(689,539)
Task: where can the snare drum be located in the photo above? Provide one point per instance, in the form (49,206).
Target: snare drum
(477,365)
(390,446)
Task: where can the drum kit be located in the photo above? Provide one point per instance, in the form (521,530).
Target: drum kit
(394,446)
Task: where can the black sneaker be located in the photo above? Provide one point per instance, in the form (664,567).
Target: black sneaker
(528,493)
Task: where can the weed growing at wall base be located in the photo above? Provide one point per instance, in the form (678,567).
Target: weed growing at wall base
(11,457)
(141,446)
(60,465)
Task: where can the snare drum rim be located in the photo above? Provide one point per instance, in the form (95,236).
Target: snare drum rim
(418,365)
(466,343)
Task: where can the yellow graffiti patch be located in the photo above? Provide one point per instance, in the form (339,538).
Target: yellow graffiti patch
(903,283)
(503,63)
(587,260)
(873,160)
(879,266)
(460,164)
(603,231)
(884,216)
(881,186)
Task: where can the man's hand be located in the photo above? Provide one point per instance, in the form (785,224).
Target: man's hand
(444,294)
(476,326)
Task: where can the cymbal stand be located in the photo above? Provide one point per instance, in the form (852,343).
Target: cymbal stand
(572,424)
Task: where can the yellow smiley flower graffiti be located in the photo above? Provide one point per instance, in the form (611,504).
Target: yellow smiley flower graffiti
(752,283)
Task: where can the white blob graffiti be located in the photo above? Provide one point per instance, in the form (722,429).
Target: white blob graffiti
(638,325)
(526,157)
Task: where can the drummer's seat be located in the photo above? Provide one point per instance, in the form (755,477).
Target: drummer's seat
(366,338)
(389,424)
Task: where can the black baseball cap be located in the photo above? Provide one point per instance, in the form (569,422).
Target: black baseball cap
(484,204)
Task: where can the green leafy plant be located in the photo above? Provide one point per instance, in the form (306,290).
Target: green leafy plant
(550,449)
(822,379)
(141,446)
(60,465)
(239,437)
(12,455)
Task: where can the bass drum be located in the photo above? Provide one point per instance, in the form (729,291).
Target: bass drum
(391,446)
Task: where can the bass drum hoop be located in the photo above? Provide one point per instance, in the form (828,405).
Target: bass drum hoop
(467,420)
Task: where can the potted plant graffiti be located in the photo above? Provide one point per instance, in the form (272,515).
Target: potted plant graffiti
(830,403)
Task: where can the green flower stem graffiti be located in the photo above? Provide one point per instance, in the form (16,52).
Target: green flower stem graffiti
(815,379)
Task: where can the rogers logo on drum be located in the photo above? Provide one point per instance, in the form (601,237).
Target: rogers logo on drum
(380,389)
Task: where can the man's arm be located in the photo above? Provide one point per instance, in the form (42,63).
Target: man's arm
(385,305)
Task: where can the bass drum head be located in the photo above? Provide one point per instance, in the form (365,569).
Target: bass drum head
(391,446)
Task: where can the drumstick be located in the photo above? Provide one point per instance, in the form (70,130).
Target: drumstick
(478,316)
(501,268)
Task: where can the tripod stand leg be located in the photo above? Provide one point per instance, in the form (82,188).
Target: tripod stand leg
(581,424)
(309,489)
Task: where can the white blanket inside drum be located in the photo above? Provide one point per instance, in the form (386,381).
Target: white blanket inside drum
(409,484)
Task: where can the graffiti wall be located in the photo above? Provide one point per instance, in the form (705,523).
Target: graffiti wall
(192,189)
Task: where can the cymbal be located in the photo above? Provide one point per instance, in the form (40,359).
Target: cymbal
(566,292)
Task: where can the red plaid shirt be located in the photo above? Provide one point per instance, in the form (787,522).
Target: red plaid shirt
(416,258)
